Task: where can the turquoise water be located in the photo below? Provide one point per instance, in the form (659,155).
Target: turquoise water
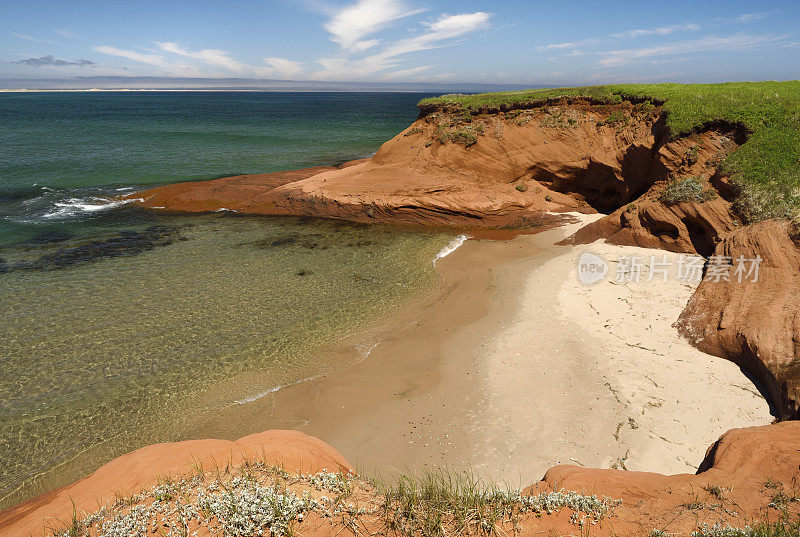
(122,327)
(71,148)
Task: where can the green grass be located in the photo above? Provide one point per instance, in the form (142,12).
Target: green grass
(766,168)
(450,503)
(466,136)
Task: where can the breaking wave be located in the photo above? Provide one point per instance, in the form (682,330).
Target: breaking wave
(77,206)
(451,247)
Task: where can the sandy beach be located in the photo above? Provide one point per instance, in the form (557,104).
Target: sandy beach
(513,366)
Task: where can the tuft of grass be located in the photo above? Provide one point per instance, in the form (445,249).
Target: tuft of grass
(466,136)
(781,500)
(695,504)
(766,168)
(715,491)
(615,119)
(692,155)
(689,189)
(445,503)
(522,187)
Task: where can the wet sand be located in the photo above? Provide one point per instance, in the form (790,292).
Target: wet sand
(512,366)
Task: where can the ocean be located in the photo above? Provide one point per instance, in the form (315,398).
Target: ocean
(121,327)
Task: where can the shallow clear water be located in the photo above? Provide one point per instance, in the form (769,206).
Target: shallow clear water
(119,326)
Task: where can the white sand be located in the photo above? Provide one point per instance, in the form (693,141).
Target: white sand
(612,382)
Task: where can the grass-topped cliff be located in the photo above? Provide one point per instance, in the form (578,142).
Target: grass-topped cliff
(766,168)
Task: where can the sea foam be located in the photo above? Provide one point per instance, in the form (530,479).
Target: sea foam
(77,206)
(274,389)
(451,247)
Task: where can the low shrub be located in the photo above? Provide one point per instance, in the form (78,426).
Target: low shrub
(683,190)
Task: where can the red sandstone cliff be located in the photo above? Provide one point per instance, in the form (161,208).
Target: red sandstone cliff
(755,323)
(504,170)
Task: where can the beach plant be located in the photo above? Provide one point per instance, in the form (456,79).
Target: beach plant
(781,500)
(433,502)
(246,507)
(716,491)
(465,136)
(692,155)
(781,528)
(617,118)
(255,498)
(683,190)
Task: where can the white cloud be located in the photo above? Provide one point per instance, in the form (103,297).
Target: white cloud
(281,67)
(734,42)
(446,27)
(593,42)
(66,33)
(31,38)
(214,57)
(663,30)
(407,72)
(352,27)
(169,68)
(356,21)
(150,59)
(206,62)
(749,17)
(575,45)
(436,34)
(568,44)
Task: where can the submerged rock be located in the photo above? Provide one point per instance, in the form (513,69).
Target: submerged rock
(126,243)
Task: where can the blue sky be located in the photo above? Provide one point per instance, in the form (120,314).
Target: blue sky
(404,40)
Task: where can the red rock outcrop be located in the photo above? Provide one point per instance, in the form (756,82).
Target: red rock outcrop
(687,226)
(447,169)
(504,170)
(227,192)
(756,324)
(742,475)
(129,473)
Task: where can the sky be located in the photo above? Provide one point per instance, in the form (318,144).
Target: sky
(422,41)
